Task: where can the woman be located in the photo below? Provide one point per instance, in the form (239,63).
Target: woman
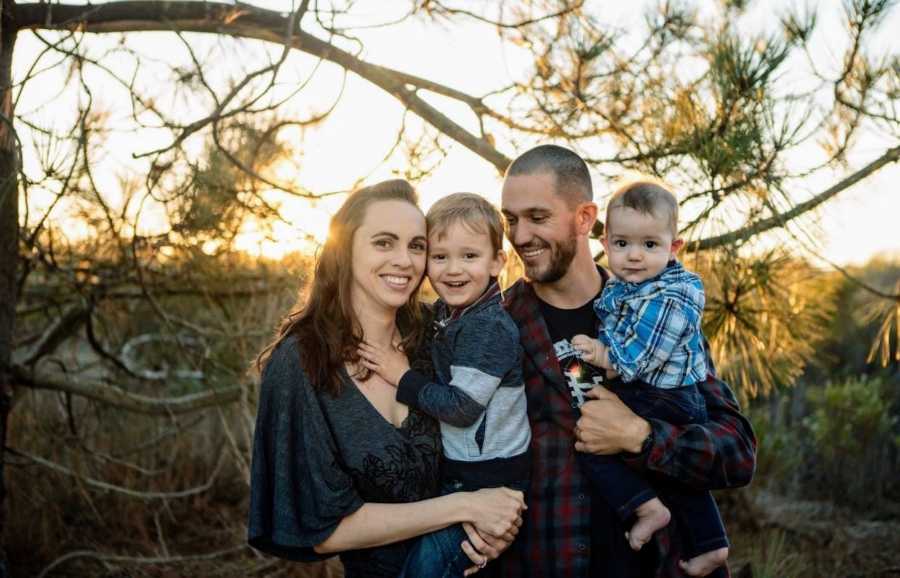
(339,466)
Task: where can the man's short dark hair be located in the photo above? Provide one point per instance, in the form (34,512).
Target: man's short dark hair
(573,180)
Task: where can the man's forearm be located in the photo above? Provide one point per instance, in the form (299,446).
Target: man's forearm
(636,434)
(720,453)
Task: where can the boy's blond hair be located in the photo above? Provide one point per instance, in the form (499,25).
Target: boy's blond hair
(472,211)
(648,197)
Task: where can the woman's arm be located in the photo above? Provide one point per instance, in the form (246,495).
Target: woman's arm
(720,453)
(494,511)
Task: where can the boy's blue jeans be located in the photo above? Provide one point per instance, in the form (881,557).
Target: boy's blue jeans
(625,490)
(439,554)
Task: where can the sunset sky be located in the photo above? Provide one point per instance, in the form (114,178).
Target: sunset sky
(861,222)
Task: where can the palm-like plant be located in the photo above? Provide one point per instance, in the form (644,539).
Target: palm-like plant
(764,316)
(885,308)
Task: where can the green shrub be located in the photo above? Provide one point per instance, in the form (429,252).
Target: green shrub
(853,433)
(777,455)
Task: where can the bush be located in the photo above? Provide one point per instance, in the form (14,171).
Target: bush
(845,446)
(777,458)
(853,432)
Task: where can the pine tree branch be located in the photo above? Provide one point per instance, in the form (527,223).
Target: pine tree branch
(779,220)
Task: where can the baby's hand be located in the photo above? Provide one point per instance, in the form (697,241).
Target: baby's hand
(589,349)
(586,347)
(388,362)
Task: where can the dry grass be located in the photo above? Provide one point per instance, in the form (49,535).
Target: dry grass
(780,537)
(52,514)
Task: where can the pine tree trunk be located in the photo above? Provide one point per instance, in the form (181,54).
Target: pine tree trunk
(9,240)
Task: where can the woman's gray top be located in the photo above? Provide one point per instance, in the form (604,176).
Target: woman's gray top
(318,458)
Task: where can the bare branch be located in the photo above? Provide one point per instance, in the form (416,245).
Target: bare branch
(118,397)
(437,7)
(58,331)
(139,559)
(247,22)
(107,487)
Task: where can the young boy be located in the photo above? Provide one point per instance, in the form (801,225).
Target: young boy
(478,393)
(650,336)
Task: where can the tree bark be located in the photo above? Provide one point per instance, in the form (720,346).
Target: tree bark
(9,244)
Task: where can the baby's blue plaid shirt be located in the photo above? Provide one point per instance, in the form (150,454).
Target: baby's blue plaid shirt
(652,328)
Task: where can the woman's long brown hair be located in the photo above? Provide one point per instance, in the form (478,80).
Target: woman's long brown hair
(325,324)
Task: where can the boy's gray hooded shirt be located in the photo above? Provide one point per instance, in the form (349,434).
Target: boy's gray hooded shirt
(478,394)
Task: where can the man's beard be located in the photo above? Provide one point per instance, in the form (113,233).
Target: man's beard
(561,256)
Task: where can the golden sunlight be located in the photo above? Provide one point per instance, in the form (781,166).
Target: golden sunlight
(283,237)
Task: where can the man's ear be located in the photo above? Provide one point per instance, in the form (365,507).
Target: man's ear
(677,244)
(585,217)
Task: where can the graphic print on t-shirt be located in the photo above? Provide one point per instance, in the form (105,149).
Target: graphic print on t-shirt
(563,325)
(580,376)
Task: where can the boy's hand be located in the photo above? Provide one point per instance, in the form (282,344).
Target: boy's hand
(388,362)
(591,350)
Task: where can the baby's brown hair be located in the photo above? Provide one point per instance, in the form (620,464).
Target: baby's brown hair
(647,197)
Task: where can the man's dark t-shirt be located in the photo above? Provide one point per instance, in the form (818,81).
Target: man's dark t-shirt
(563,324)
(611,556)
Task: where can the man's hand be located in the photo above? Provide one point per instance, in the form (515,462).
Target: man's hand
(608,426)
(388,362)
(591,350)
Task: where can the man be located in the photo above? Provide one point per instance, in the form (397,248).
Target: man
(548,203)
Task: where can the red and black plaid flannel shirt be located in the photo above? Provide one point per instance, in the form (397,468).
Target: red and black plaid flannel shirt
(555,539)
